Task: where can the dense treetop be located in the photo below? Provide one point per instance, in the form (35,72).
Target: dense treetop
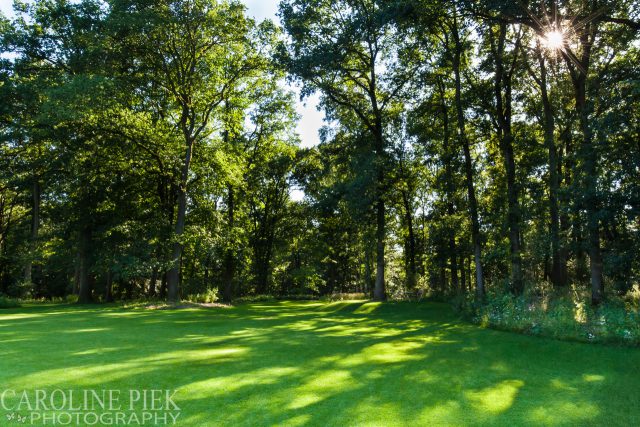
(148,149)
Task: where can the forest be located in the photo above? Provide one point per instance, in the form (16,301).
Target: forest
(459,247)
(470,150)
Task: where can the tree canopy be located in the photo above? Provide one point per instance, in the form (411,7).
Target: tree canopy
(148,149)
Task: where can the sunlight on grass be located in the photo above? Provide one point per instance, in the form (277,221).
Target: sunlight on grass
(392,352)
(320,386)
(497,398)
(367,308)
(230,383)
(445,413)
(561,385)
(17,316)
(578,412)
(82,331)
(318,364)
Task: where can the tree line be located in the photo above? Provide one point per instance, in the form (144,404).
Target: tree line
(149,148)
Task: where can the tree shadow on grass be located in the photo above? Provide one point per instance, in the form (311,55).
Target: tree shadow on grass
(297,363)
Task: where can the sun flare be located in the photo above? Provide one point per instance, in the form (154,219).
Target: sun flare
(554,40)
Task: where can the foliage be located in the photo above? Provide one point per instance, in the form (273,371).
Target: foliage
(6,302)
(207,297)
(568,317)
(347,297)
(148,150)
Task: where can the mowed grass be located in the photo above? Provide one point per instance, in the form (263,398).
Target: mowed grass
(322,364)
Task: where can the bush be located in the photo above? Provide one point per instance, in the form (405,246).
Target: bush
(271,298)
(569,317)
(6,302)
(254,298)
(342,296)
(297,297)
(208,297)
(632,298)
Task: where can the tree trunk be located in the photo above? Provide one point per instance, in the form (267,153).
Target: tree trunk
(263,273)
(152,283)
(229,261)
(517,285)
(450,189)
(591,199)
(411,264)
(448,155)
(108,295)
(564,176)
(379,293)
(35,227)
(476,237)
(502,92)
(558,279)
(368,270)
(443,274)
(589,163)
(463,273)
(173,275)
(84,256)
(163,285)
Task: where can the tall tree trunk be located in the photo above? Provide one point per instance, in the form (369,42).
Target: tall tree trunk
(35,227)
(572,223)
(263,269)
(84,256)
(205,277)
(173,275)
(379,292)
(558,279)
(263,248)
(368,270)
(502,92)
(108,295)
(589,162)
(476,237)
(517,285)
(448,156)
(591,199)
(463,273)
(163,285)
(469,271)
(453,262)
(229,261)
(411,270)
(151,292)
(564,177)
(76,273)
(443,274)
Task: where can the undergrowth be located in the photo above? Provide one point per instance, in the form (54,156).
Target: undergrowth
(563,315)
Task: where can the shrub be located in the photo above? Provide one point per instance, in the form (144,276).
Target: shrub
(254,298)
(207,297)
(6,302)
(569,317)
(342,296)
(632,298)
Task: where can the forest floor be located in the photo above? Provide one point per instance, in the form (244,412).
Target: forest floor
(318,363)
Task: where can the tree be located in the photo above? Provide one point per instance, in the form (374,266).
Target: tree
(350,51)
(197,52)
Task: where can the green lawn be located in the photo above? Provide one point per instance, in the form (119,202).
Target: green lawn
(311,363)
